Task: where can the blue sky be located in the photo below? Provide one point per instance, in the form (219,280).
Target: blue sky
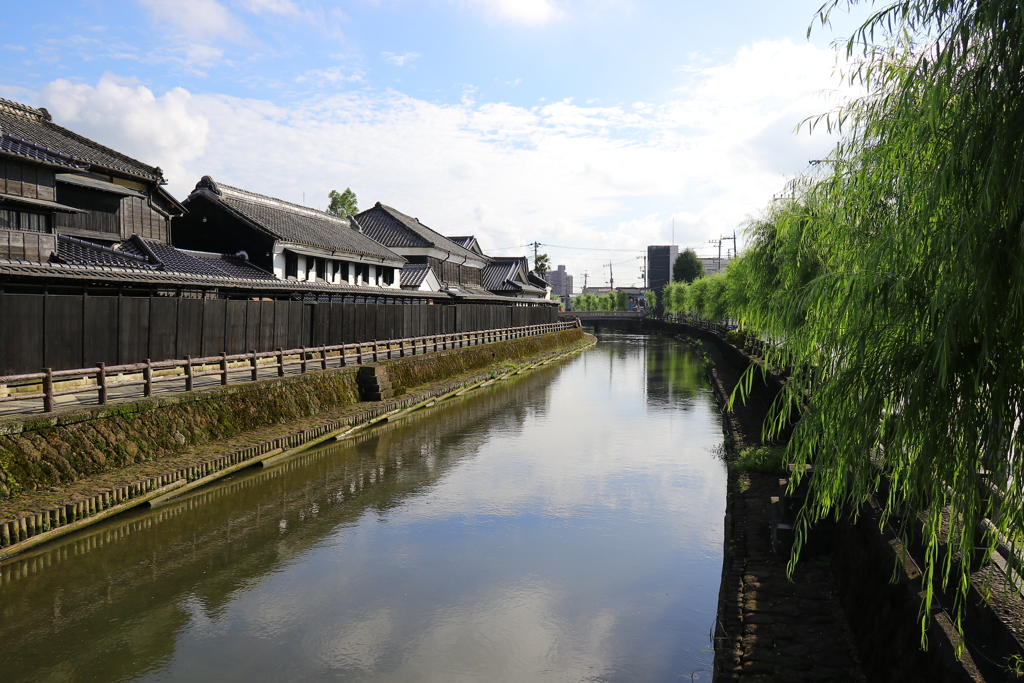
(583,123)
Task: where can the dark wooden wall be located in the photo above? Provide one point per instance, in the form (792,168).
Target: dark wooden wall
(66,331)
(26,180)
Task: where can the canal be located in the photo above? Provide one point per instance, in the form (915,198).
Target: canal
(562,526)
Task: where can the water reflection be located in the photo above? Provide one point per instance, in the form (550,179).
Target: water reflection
(552,527)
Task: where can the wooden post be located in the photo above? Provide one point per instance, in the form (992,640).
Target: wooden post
(375,351)
(223,369)
(323,357)
(401,349)
(303,358)
(48,391)
(188,373)
(342,352)
(359,354)
(147,375)
(101,382)
(255,366)
(280,362)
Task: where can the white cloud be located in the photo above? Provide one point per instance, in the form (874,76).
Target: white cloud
(529,12)
(400,60)
(197,19)
(559,172)
(282,7)
(161,131)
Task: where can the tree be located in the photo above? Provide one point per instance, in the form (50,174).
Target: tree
(541,265)
(687,267)
(894,279)
(342,203)
(651,299)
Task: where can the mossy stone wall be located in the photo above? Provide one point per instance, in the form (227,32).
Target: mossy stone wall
(36,454)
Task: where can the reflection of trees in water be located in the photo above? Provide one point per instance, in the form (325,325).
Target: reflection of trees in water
(108,603)
(675,374)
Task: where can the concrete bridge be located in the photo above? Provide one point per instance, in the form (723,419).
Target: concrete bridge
(618,320)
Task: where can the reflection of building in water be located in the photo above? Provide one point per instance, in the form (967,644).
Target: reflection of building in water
(110,602)
(675,375)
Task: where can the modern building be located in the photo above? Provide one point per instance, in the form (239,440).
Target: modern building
(713,264)
(660,259)
(561,282)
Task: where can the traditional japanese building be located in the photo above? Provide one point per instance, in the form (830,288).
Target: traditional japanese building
(293,242)
(511,276)
(53,180)
(456,268)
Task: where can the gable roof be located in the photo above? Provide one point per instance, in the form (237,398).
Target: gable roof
(508,274)
(413,274)
(31,133)
(395,229)
(468,242)
(293,223)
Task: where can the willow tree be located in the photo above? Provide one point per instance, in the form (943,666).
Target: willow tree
(905,331)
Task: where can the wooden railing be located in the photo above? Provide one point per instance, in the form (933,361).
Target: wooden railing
(147,374)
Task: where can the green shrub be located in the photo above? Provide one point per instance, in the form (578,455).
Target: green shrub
(764,459)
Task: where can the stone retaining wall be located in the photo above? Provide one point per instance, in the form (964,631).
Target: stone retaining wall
(35,454)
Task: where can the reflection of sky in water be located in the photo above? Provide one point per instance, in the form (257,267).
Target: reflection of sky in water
(566,527)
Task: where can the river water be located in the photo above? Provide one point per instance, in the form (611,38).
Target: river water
(562,526)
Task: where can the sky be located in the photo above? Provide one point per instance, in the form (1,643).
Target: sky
(594,127)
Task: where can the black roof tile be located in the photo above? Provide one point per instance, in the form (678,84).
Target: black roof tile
(395,229)
(36,127)
(413,274)
(293,223)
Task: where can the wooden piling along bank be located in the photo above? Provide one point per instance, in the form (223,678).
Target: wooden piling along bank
(37,454)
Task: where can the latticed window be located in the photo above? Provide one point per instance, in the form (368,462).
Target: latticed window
(11,219)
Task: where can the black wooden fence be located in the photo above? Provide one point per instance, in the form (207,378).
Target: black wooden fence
(64,331)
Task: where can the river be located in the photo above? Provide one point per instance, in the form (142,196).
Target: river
(562,526)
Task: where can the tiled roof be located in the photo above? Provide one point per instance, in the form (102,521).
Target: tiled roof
(395,229)
(176,260)
(504,274)
(497,277)
(293,223)
(81,252)
(141,254)
(35,127)
(12,144)
(413,274)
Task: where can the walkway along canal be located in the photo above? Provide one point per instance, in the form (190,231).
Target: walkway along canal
(563,525)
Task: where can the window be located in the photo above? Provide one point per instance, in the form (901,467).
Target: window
(335,269)
(321,269)
(291,265)
(362,273)
(22,220)
(388,275)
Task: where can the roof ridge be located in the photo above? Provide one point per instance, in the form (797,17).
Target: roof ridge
(42,116)
(100,247)
(257,198)
(22,109)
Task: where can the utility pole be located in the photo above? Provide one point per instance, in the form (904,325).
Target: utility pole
(722,239)
(585,274)
(611,276)
(536,246)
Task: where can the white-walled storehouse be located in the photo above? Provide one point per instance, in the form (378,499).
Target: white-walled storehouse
(291,241)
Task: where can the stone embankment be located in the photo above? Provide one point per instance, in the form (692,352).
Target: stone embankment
(852,609)
(75,468)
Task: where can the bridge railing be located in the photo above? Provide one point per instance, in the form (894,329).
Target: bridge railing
(602,314)
(102,378)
